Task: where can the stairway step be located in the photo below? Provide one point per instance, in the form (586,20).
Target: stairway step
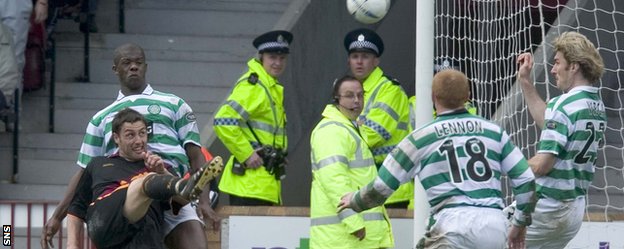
(41,154)
(222,5)
(107,91)
(186,22)
(159,47)
(59,141)
(40,171)
(23,191)
(171,72)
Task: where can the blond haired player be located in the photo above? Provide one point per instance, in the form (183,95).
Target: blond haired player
(573,126)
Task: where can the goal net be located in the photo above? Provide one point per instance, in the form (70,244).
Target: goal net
(483,39)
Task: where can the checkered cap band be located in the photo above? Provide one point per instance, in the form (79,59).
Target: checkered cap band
(364,44)
(270,45)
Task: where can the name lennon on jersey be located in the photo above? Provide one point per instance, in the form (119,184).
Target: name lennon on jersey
(457,127)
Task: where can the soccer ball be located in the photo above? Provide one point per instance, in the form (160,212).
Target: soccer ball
(368,11)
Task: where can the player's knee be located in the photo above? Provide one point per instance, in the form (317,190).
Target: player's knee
(187,235)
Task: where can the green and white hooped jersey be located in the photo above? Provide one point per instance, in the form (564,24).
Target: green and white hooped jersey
(574,125)
(171,125)
(459,159)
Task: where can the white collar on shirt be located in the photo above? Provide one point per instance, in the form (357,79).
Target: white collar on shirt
(147,91)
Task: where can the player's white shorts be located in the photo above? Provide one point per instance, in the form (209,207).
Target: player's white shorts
(186,213)
(468,227)
(555,223)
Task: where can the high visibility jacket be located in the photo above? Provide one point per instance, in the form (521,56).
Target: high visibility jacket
(342,163)
(385,121)
(256,105)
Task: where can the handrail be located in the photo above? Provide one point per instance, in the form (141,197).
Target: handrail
(85,243)
(16,105)
(52,104)
(122,17)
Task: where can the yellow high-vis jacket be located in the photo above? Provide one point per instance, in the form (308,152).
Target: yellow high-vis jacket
(342,163)
(385,121)
(255,104)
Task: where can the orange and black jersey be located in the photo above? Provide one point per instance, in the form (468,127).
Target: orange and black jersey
(102,177)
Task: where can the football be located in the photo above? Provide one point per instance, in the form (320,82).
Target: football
(368,11)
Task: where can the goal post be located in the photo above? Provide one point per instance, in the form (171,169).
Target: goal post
(424,66)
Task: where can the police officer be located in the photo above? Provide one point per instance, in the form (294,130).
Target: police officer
(253,118)
(385,117)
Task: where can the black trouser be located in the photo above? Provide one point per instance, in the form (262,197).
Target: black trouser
(402,205)
(245,201)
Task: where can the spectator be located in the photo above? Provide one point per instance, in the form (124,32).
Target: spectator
(9,74)
(15,19)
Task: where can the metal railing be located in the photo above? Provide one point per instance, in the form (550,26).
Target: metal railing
(34,232)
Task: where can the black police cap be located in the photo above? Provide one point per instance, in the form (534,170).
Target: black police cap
(274,42)
(363,40)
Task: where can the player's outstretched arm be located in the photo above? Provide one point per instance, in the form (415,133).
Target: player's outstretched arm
(74,229)
(345,201)
(515,240)
(535,103)
(542,163)
(53,224)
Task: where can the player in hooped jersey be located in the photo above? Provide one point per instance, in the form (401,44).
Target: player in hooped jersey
(173,135)
(459,159)
(573,126)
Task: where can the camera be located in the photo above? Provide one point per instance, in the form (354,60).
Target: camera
(238,168)
(274,161)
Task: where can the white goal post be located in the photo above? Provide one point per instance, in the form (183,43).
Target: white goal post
(483,38)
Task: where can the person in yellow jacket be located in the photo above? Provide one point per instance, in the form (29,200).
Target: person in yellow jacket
(341,163)
(251,125)
(385,117)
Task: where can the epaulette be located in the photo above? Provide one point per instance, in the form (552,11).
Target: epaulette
(253,78)
(394,80)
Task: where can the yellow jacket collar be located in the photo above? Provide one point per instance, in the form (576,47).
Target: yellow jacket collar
(256,66)
(332,112)
(372,80)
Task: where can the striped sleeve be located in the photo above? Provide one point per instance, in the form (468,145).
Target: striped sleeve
(397,168)
(555,131)
(92,143)
(515,165)
(186,124)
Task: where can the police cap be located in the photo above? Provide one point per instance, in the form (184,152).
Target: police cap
(274,42)
(363,40)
